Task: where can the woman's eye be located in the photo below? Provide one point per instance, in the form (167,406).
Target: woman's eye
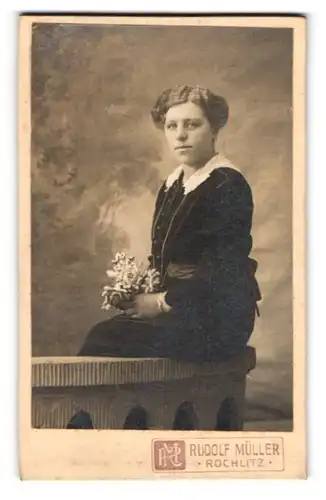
(189,125)
(193,125)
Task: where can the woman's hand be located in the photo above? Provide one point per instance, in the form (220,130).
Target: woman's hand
(144,305)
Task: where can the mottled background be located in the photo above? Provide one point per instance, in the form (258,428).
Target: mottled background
(97,162)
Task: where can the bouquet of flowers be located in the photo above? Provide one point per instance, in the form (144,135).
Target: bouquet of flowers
(128,280)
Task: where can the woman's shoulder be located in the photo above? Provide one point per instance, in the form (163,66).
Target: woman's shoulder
(226,173)
(227,181)
(224,177)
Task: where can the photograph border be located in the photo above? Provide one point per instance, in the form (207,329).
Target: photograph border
(122,454)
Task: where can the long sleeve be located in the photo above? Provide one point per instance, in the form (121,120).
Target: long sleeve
(223,236)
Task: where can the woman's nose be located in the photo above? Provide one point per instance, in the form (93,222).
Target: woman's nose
(181,133)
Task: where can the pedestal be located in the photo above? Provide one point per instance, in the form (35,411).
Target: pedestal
(150,393)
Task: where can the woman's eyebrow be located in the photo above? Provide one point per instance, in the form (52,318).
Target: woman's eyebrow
(196,119)
(185,120)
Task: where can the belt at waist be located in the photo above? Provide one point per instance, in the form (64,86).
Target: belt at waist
(181,271)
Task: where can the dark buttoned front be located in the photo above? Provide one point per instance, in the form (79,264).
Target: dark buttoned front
(162,221)
(201,241)
(208,227)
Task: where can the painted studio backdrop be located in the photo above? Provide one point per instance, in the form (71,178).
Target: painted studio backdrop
(98,161)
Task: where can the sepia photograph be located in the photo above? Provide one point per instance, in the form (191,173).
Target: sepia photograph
(161,191)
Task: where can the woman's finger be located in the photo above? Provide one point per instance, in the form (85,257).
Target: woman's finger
(130,312)
(123,304)
(136,316)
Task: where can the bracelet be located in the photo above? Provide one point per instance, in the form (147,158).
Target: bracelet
(163,306)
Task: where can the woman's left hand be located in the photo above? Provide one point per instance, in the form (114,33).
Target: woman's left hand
(144,305)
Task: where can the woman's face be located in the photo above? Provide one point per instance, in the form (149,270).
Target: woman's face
(189,134)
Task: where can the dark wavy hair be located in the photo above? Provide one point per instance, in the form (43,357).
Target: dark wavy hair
(215,107)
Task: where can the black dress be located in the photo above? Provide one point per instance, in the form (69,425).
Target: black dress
(201,241)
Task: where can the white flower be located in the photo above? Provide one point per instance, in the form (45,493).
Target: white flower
(110,273)
(129,280)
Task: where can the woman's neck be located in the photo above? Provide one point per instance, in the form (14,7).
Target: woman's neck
(189,170)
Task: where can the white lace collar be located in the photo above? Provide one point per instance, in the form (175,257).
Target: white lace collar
(200,175)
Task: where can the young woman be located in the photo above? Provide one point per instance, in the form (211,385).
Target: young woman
(201,241)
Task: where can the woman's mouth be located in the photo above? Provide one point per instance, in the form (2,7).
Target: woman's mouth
(182,148)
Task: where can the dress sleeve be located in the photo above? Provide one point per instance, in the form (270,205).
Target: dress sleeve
(224,237)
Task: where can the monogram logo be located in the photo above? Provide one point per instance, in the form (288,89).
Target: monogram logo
(169,455)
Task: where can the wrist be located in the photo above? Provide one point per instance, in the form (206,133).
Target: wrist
(162,304)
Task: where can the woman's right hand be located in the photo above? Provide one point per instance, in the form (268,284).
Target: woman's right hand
(121,301)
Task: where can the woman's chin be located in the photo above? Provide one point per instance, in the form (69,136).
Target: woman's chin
(185,158)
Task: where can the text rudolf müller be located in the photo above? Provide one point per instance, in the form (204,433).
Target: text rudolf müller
(245,454)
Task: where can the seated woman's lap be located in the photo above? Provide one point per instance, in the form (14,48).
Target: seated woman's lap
(189,337)
(119,336)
